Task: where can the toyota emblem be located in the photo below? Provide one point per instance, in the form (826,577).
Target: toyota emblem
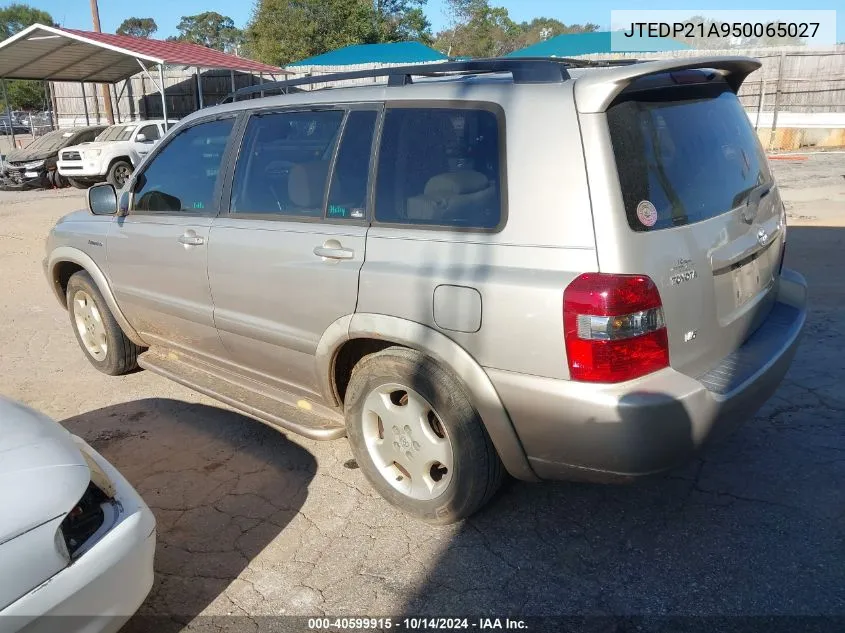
(762,237)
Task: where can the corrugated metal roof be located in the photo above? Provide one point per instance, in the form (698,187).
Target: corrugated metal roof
(46,52)
(573,44)
(390,53)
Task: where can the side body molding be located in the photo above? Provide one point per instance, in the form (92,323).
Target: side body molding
(69,254)
(450,354)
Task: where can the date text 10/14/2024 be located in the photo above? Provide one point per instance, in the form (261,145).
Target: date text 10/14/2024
(416,624)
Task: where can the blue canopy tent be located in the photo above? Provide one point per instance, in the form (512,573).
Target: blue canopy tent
(574,44)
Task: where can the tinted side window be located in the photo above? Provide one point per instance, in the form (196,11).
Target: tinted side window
(151,132)
(348,191)
(182,176)
(439,166)
(283,166)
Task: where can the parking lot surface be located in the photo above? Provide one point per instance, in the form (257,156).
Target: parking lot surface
(253,522)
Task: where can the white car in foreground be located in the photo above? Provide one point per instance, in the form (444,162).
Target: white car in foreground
(112,156)
(76,541)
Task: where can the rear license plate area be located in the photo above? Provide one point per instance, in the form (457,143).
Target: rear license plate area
(747,282)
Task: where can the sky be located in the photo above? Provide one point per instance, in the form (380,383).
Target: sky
(76,13)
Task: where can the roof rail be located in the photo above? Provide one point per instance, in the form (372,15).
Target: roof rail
(574,62)
(525,70)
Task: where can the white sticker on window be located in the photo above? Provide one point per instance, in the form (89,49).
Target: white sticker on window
(647,213)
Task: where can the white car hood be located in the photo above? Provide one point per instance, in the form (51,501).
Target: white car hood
(42,472)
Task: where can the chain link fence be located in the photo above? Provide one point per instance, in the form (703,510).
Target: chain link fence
(27,127)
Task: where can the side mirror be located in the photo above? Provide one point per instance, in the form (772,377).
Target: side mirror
(102,199)
(141,138)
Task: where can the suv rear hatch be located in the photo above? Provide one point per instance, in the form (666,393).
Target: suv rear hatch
(686,197)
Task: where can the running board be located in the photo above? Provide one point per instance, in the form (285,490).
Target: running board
(267,405)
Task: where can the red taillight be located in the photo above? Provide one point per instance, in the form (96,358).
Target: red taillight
(614,328)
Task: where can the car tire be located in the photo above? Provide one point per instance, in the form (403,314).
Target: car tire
(77,183)
(59,181)
(401,403)
(105,345)
(119,172)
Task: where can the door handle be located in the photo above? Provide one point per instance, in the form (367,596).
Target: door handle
(191,239)
(334,253)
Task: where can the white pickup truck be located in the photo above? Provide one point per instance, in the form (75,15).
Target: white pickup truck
(112,155)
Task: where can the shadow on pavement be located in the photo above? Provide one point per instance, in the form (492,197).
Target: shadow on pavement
(752,526)
(222,487)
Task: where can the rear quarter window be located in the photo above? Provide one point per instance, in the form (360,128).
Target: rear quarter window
(440,166)
(689,151)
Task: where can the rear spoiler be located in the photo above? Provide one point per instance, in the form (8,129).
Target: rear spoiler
(595,91)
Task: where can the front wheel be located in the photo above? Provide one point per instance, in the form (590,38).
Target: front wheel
(119,173)
(417,437)
(105,345)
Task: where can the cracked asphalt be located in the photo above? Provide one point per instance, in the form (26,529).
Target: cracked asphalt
(255,523)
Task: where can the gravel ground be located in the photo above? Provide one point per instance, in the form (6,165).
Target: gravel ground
(253,522)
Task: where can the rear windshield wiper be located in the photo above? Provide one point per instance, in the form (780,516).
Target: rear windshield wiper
(752,200)
(752,195)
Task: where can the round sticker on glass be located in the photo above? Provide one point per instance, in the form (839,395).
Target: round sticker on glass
(647,213)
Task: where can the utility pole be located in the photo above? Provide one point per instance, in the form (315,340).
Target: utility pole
(95,17)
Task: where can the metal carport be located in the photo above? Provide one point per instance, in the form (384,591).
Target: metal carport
(49,53)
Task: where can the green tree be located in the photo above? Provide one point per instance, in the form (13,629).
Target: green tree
(478,30)
(541,29)
(284,31)
(16,17)
(210,29)
(137,27)
(402,20)
(23,95)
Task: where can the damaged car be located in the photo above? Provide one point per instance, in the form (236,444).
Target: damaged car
(76,541)
(34,166)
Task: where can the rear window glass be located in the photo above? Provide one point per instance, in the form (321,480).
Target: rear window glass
(684,155)
(440,166)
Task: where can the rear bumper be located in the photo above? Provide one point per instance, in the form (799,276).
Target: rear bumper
(583,431)
(102,588)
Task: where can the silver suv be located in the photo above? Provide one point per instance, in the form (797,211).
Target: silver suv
(558,269)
